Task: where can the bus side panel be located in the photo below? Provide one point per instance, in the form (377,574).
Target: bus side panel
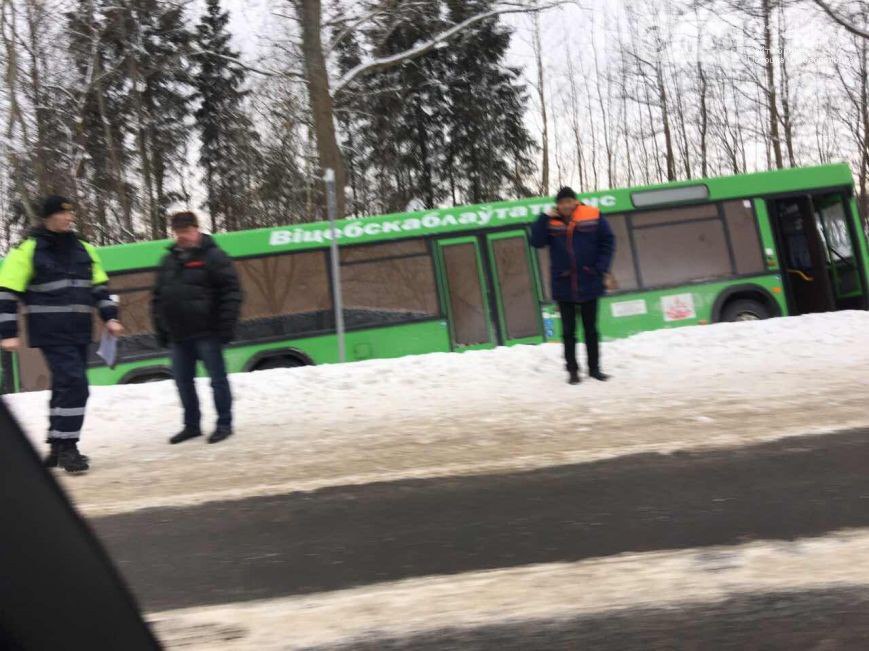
(628,314)
(393,341)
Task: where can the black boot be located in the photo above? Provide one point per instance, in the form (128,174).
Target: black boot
(54,451)
(574,378)
(185,435)
(70,459)
(222,433)
(599,375)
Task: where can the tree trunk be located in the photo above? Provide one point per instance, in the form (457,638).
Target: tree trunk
(322,112)
(541,94)
(772,99)
(704,122)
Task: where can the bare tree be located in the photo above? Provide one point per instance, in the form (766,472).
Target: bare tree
(544,112)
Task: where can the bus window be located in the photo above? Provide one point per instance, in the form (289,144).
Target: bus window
(469,312)
(284,295)
(383,284)
(134,304)
(744,237)
(681,245)
(515,286)
(623,263)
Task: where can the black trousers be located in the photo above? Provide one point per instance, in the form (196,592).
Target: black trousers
(588,310)
(69,391)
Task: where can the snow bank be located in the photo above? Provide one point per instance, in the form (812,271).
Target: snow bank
(724,384)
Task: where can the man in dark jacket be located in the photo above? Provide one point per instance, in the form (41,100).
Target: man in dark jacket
(581,246)
(60,279)
(195,307)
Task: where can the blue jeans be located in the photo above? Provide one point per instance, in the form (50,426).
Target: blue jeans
(184,356)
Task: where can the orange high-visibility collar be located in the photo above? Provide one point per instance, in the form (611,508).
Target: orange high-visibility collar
(584,213)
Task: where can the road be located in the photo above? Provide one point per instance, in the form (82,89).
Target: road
(347,539)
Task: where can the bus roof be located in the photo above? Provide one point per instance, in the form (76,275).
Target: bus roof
(367,230)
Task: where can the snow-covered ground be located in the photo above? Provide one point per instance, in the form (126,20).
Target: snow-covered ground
(506,409)
(448,414)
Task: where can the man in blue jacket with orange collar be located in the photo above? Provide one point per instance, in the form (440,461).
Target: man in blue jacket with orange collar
(581,246)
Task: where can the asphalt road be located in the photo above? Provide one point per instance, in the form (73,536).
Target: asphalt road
(342,537)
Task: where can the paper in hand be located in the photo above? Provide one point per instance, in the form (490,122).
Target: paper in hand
(108,349)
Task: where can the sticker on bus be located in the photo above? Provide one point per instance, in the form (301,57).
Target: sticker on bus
(679,307)
(629,308)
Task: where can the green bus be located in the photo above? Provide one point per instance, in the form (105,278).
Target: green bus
(750,246)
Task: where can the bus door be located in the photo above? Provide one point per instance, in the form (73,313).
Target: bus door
(802,255)
(818,247)
(838,233)
(518,311)
(466,294)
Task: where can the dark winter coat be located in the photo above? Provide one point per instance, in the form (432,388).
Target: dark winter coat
(60,279)
(580,253)
(197,294)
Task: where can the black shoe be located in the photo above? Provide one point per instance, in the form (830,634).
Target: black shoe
(220,434)
(574,378)
(599,375)
(70,459)
(51,458)
(185,435)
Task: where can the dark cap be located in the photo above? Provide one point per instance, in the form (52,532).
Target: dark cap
(565,193)
(183,220)
(54,204)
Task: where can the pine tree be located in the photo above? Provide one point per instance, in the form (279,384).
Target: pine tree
(161,77)
(229,146)
(489,147)
(101,88)
(398,135)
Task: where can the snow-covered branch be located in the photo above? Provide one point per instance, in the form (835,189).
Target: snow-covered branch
(427,46)
(851,27)
(260,71)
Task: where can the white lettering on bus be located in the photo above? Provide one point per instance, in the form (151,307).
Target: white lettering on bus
(607,201)
(353,230)
(279,238)
(431,220)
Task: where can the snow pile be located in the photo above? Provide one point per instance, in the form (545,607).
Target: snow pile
(479,411)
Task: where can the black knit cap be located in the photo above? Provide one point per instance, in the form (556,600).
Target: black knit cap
(565,193)
(183,220)
(54,204)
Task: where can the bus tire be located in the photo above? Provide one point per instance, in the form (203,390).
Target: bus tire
(145,378)
(744,309)
(278,361)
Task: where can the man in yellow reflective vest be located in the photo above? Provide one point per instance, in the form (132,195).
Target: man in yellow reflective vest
(60,280)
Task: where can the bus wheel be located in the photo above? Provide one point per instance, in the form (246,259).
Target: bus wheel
(745,309)
(280,361)
(151,377)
